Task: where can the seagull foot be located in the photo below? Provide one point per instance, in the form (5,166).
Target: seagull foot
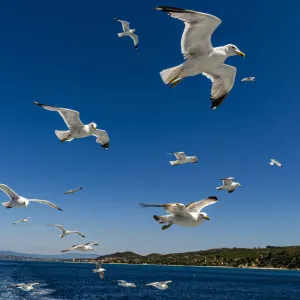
(167,226)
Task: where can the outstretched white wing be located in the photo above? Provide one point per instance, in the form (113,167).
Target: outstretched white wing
(196,207)
(71,117)
(79,233)
(7,190)
(227,180)
(196,38)
(32,284)
(180,155)
(46,203)
(101,274)
(165,282)
(125,24)
(135,40)
(91,244)
(222,79)
(177,209)
(62,228)
(102,138)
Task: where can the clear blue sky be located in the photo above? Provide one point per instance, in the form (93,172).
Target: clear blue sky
(67,53)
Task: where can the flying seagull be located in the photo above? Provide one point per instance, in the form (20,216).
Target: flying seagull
(99,270)
(76,128)
(199,54)
(228,185)
(82,247)
(183,215)
(126,284)
(128,32)
(23,220)
(73,191)
(24,287)
(163,285)
(182,159)
(19,201)
(65,232)
(248,79)
(275,162)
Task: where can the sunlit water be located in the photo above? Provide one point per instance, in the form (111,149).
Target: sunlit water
(76,281)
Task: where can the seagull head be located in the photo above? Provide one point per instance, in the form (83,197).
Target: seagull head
(195,159)
(234,50)
(204,215)
(93,126)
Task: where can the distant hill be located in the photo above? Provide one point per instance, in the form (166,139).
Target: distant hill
(269,257)
(4,254)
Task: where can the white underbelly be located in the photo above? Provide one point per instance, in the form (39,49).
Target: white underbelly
(187,222)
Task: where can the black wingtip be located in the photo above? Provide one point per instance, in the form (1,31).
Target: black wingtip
(136,47)
(116,19)
(213,198)
(37,103)
(81,188)
(59,209)
(169,9)
(142,205)
(156,218)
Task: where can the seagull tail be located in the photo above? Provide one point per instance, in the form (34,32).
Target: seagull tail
(171,74)
(173,162)
(219,188)
(63,135)
(120,34)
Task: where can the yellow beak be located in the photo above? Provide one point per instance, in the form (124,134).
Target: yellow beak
(206,218)
(240,53)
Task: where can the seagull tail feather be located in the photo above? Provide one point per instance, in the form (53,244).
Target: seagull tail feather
(120,34)
(173,163)
(171,74)
(219,188)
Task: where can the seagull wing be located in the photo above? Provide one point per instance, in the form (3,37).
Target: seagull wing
(62,228)
(222,79)
(102,137)
(177,209)
(125,24)
(17,222)
(101,274)
(199,205)
(135,39)
(199,27)
(91,244)
(165,282)
(227,181)
(71,117)
(122,281)
(180,155)
(7,190)
(46,203)
(32,284)
(79,233)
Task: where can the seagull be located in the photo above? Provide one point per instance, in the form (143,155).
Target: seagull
(199,54)
(73,191)
(99,270)
(19,201)
(182,159)
(23,220)
(82,247)
(66,232)
(163,285)
(275,162)
(228,185)
(248,79)
(76,128)
(126,284)
(183,215)
(128,32)
(25,287)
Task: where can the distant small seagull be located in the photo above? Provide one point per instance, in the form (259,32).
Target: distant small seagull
(66,232)
(183,215)
(76,128)
(99,270)
(199,54)
(228,185)
(182,159)
(23,220)
(82,247)
(126,284)
(73,191)
(163,285)
(248,79)
(128,32)
(275,162)
(25,287)
(19,201)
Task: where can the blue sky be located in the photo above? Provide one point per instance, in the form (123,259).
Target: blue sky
(67,53)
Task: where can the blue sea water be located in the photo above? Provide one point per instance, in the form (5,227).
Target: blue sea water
(76,281)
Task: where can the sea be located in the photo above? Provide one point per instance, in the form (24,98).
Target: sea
(76,281)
